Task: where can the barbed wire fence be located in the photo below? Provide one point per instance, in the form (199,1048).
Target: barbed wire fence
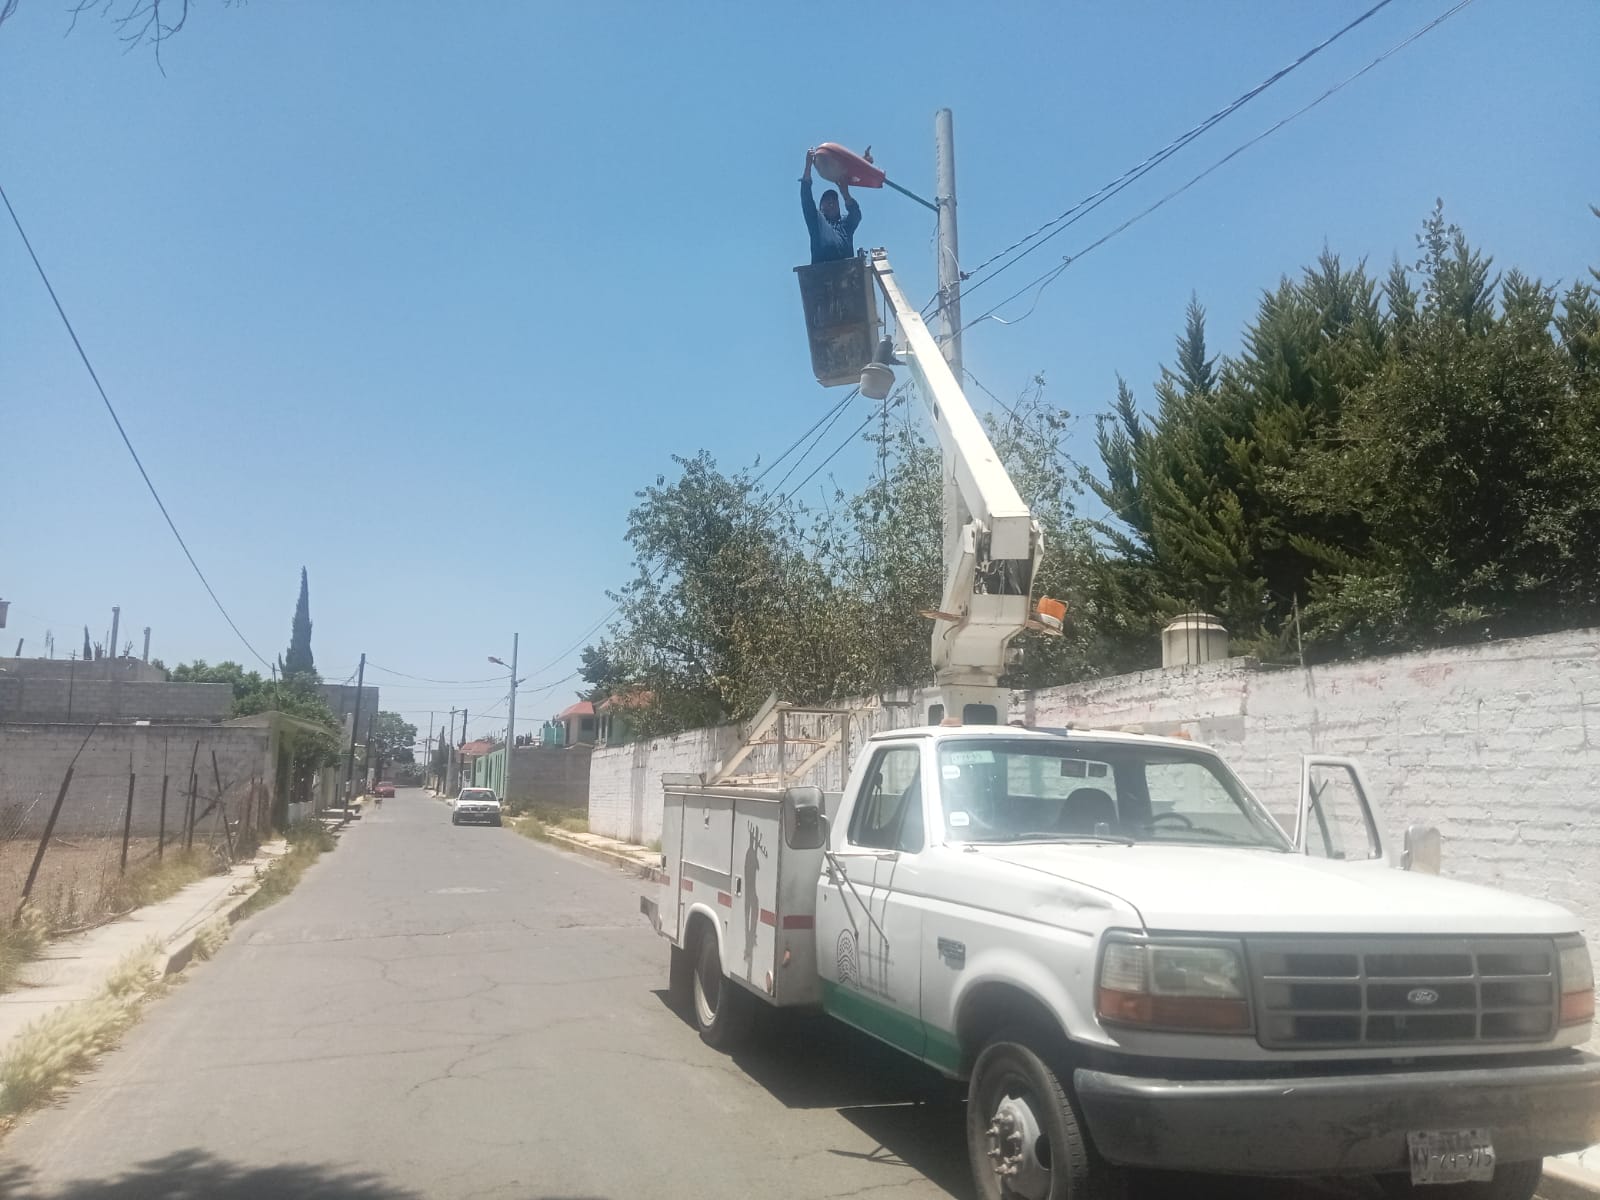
(120,823)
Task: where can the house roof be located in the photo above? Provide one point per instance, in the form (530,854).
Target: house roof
(481,746)
(582,708)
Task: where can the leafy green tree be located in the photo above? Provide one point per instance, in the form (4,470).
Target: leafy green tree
(1469,462)
(391,739)
(298,660)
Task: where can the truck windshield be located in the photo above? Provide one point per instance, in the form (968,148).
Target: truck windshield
(994,790)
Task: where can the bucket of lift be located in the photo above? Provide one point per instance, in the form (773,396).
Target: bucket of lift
(841,319)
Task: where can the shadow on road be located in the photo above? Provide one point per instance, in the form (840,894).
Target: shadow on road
(197,1175)
(918,1117)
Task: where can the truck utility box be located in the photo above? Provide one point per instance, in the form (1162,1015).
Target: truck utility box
(727,860)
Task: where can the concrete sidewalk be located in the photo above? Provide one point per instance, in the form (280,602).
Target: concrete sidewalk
(75,968)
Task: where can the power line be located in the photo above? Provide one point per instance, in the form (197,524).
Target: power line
(1048,277)
(848,396)
(823,423)
(1089,203)
(425,679)
(116,420)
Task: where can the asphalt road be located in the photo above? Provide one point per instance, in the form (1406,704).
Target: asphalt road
(463,1013)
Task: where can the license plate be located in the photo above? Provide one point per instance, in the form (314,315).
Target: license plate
(1451,1156)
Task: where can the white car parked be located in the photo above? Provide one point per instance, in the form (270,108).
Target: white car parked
(476,804)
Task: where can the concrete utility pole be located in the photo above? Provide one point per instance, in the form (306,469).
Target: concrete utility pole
(145,657)
(446,736)
(355,725)
(956,515)
(511,724)
(949,244)
(116,620)
(511,718)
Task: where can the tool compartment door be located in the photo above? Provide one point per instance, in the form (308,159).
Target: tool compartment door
(671,894)
(705,868)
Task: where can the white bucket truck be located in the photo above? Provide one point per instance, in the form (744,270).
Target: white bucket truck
(1111,940)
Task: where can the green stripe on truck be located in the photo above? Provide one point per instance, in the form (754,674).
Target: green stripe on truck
(900,1030)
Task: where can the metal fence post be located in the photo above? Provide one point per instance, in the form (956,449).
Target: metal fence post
(38,855)
(127,818)
(222,807)
(161,838)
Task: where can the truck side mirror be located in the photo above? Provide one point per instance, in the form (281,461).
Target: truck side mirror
(804,825)
(1422,849)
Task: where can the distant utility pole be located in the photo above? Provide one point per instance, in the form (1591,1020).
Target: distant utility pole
(145,657)
(116,620)
(511,720)
(444,744)
(355,724)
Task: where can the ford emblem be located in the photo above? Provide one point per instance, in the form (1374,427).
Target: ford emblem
(1422,996)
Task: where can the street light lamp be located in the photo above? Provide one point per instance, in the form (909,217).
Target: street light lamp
(511,719)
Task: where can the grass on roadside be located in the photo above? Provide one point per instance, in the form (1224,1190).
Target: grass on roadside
(153,881)
(308,841)
(148,882)
(49,1053)
(538,822)
(20,943)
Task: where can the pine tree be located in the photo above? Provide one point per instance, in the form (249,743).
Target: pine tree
(88,651)
(297,659)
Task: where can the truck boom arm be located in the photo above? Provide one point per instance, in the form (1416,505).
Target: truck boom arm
(992,544)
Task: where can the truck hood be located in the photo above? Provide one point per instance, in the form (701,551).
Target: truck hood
(1207,889)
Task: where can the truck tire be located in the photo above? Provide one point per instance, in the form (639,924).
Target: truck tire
(720,1007)
(680,980)
(1023,1136)
(1512,1181)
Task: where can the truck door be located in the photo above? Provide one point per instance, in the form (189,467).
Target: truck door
(868,930)
(1337,818)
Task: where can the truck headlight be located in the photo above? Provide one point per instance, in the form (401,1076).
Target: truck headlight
(1180,986)
(1577,983)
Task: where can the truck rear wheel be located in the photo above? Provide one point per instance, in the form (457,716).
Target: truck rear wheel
(720,1007)
(680,979)
(1023,1137)
(1512,1181)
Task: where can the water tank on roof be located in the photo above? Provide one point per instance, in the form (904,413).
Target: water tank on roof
(1192,639)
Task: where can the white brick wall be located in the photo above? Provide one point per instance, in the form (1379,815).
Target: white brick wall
(1498,745)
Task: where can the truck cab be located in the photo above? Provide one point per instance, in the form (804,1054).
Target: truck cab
(1131,963)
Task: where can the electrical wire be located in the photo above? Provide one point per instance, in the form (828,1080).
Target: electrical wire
(1048,277)
(838,411)
(849,396)
(117,421)
(425,679)
(1089,203)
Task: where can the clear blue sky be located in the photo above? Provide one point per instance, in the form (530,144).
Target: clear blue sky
(419,295)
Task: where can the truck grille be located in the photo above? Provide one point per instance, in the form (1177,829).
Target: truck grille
(1331,992)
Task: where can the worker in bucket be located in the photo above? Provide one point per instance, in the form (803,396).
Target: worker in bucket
(832,237)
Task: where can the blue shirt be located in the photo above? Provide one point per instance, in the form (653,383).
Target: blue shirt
(830,240)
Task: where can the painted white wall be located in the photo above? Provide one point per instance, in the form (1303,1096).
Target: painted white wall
(1498,745)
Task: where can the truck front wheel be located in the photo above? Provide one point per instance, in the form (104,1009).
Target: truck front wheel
(1023,1137)
(721,1008)
(1512,1181)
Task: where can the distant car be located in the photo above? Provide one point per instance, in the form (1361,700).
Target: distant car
(476,804)
(385,790)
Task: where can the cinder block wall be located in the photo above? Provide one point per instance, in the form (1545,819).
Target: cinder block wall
(34,757)
(552,777)
(91,700)
(1498,745)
